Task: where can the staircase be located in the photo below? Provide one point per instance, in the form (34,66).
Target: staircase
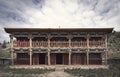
(59,72)
(59,68)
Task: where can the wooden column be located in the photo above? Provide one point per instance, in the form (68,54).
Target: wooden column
(103,58)
(70,57)
(106,49)
(30,57)
(30,41)
(69,49)
(49,49)
(11,49)
(87,54)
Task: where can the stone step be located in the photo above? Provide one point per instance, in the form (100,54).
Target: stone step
(58,74)
(59,68)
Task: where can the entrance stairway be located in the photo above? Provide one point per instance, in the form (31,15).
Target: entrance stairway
(59,72)
(59,68)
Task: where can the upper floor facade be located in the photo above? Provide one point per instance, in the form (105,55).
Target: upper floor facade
(59,38)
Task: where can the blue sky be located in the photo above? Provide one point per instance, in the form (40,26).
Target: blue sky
(55,13)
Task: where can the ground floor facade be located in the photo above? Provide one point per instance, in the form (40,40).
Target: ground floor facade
(59,59)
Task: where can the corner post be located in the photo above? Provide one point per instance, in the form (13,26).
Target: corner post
(11,49)
(106,52)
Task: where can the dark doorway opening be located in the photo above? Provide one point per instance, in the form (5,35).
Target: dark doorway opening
(42,58)
(23,59)
(95,59)
(59,58)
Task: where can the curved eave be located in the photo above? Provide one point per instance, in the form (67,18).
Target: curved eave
(12,30)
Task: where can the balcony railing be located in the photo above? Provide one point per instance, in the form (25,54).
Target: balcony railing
(21,44)
(59,44)
(97,43)
(39,43)
(79,44)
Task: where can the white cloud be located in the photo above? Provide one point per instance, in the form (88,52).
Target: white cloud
(55,13)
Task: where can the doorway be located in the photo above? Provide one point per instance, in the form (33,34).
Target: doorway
(59,58)
(42,57)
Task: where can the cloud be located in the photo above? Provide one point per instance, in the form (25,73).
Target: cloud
(55,13)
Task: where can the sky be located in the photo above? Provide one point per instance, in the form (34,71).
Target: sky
(58,13)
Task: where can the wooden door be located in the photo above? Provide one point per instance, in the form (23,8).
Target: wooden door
(53,58)
(65,59)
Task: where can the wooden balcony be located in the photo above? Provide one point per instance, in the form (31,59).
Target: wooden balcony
(59,44)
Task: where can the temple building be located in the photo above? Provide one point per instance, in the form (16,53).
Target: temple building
(58,46)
